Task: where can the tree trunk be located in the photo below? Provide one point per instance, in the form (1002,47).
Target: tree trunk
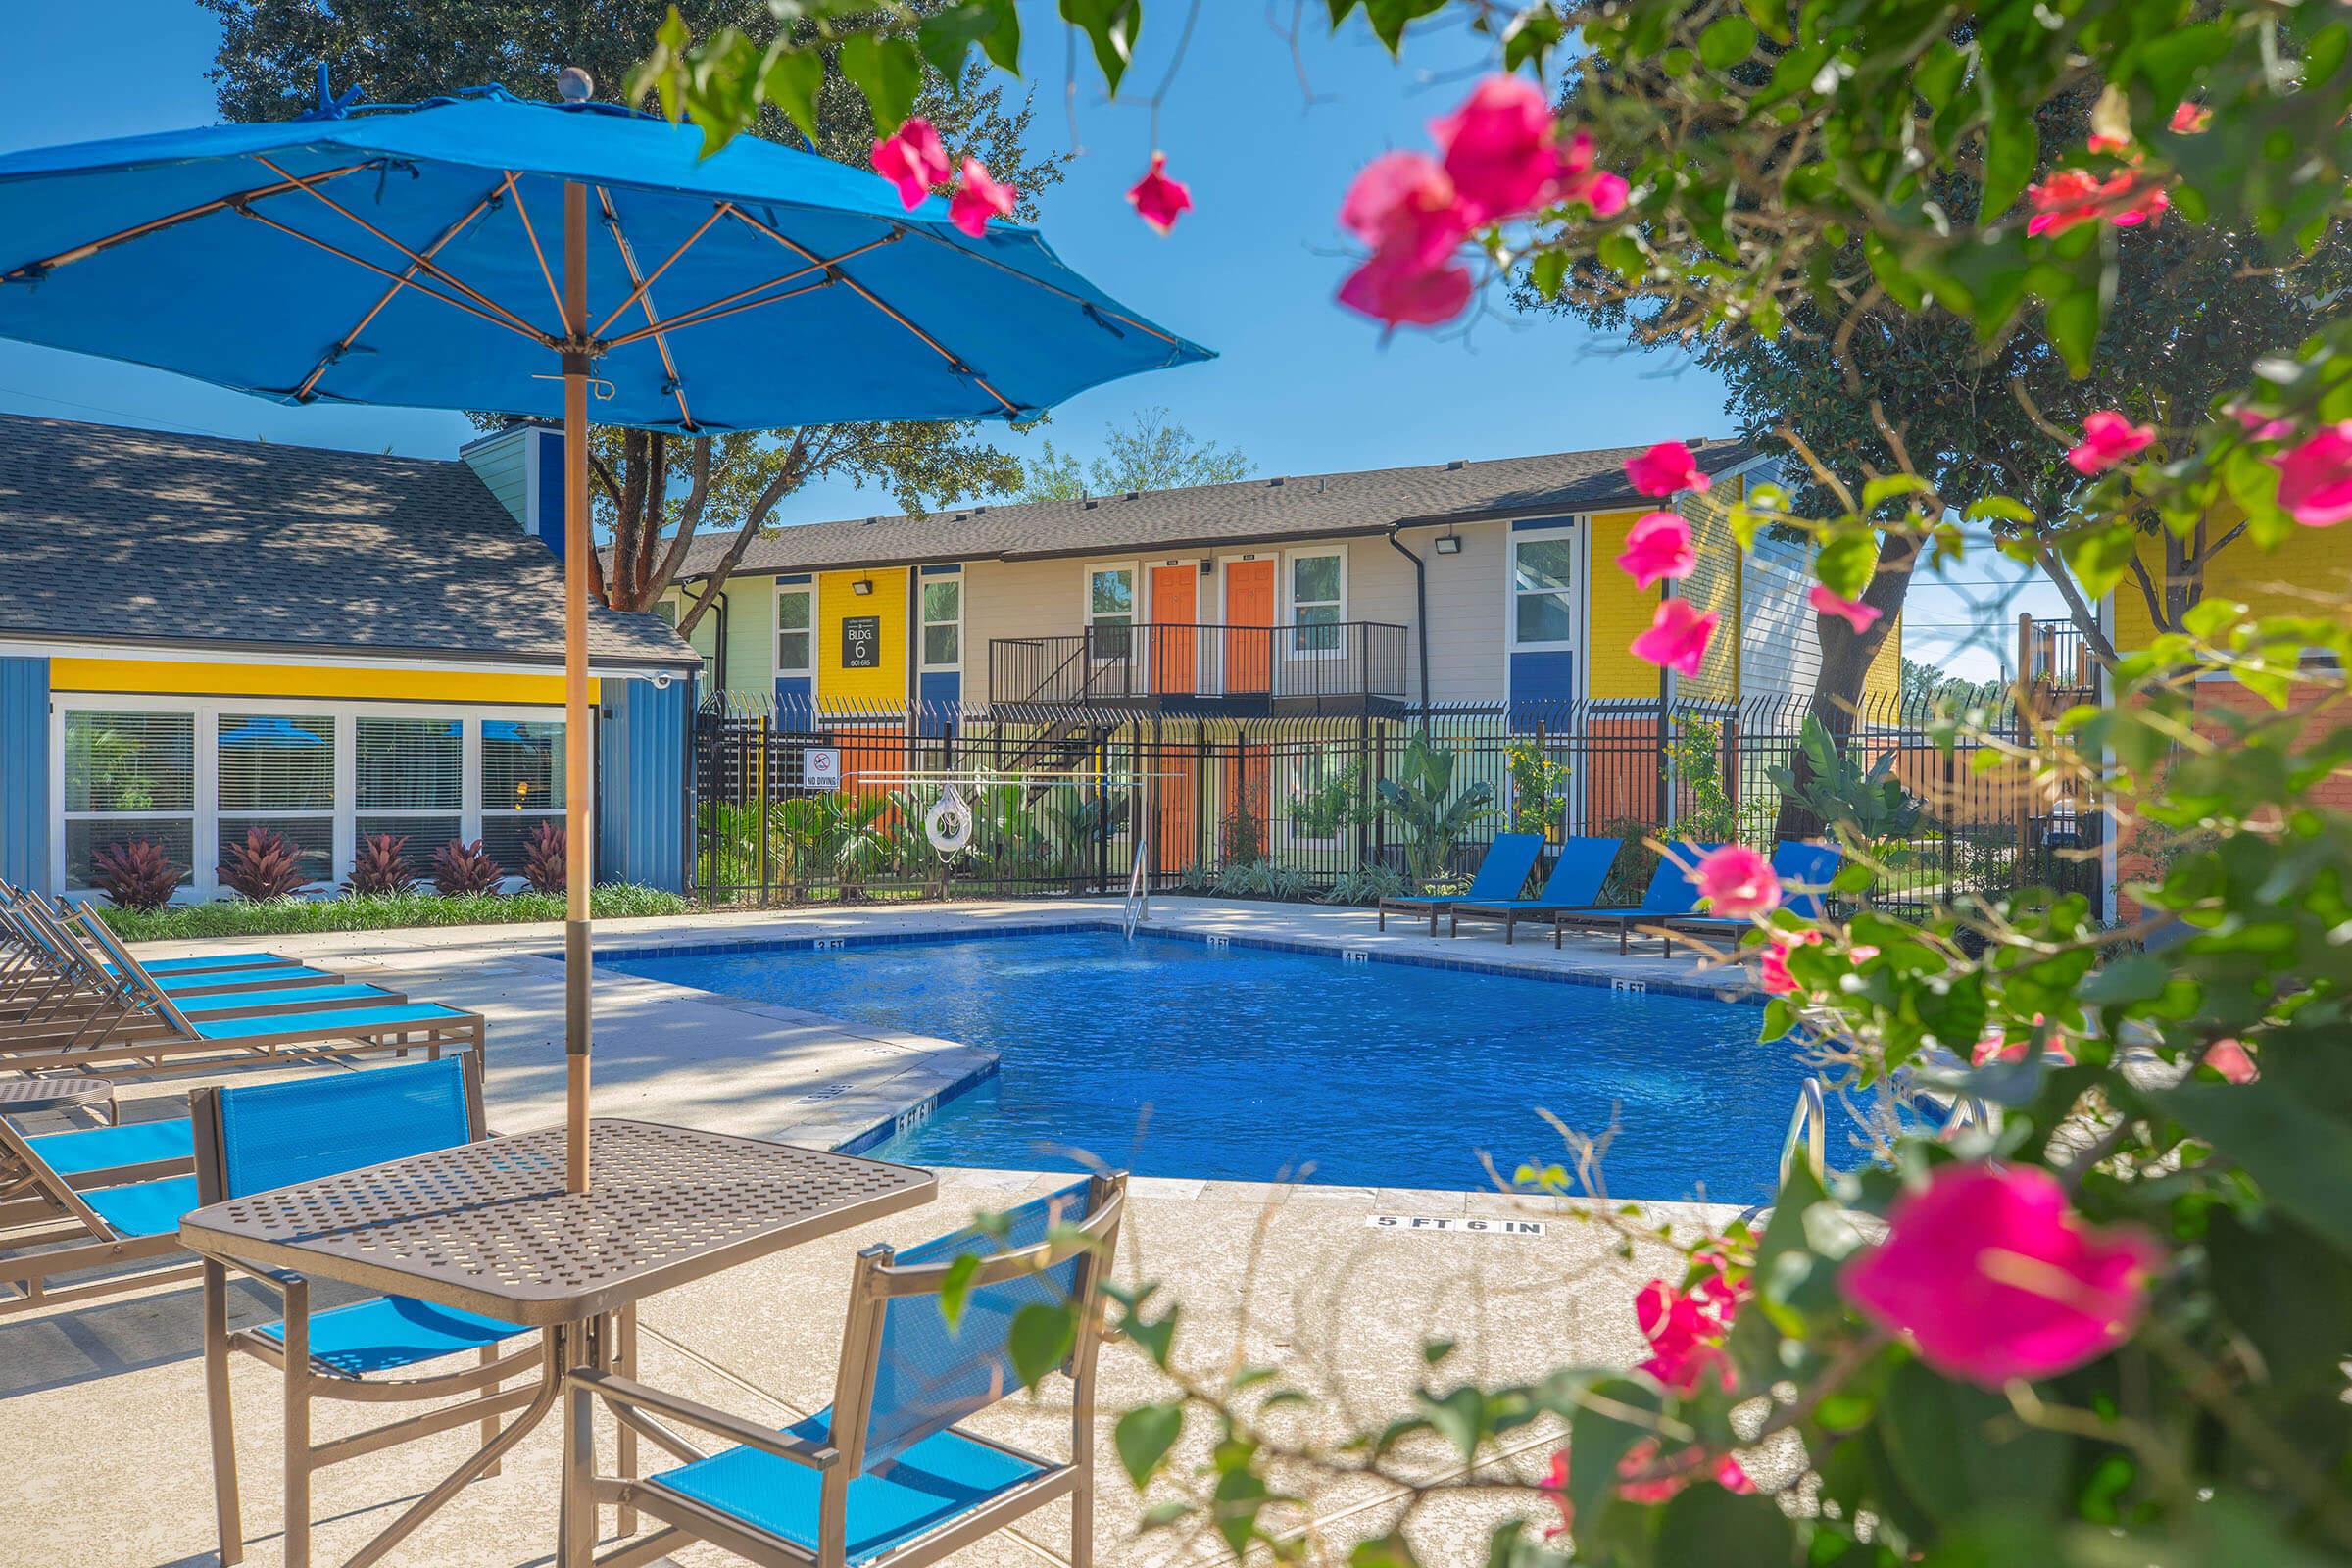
(1845,660)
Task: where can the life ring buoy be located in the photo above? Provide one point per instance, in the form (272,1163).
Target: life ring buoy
(948,823)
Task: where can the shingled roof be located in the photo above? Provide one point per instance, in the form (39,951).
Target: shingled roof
(118,537)
(1247,510)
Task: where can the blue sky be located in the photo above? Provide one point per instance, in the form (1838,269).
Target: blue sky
(1266,138)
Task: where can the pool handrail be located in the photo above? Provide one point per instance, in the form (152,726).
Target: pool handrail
(1810,1122)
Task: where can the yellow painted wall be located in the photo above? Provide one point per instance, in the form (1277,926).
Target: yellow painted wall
(884,685)
(2310,574)
(1617,613)
(1884,678)
(165,678)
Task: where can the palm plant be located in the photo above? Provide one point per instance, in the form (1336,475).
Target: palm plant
(858,831)
(461,869)
(1430,814)
(136,875)
(264,867)
(379,865)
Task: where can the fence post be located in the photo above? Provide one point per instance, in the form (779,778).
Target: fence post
(759,797)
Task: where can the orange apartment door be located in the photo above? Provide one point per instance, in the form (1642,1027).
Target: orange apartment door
(1248,601)
(1175,835)
(1175,606)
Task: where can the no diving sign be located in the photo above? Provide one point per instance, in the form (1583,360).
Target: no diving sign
(820,768)
(1454,1222)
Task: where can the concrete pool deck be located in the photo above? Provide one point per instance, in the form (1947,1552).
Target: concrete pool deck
(104,1402)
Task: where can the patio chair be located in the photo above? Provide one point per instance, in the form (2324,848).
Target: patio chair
(255,1137)
(1574,882)
(1805,870)
(883,1475)
(1501,876)
(1669,895)
(96,1198)
(153,1033)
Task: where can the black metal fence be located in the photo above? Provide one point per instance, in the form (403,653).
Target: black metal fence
(797,805)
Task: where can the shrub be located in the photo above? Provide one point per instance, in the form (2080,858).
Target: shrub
(136,875)
(1366,884)
(379,866)
(263,867)
(377,911)
(546,864)
(461,868)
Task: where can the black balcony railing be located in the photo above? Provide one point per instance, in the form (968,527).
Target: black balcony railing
(1185,666)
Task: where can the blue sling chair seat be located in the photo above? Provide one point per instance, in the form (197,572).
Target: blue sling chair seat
(1501,876)
(151,1029)
(1670,896)
(883,1475)
(256,1137)
(1805,870)
(1575,883)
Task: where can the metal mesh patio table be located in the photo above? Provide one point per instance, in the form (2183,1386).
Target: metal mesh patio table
(489,1227)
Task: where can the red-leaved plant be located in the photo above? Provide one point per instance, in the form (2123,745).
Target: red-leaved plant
(136,875)
(264,866)
(460,869)
(545,863)
(380,867)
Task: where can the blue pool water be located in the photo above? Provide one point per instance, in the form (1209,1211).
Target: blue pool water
(1242,1063)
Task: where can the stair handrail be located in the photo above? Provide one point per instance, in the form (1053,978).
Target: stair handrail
(1139,885)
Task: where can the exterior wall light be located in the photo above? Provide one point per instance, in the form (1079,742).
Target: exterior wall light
(862,586)
(1448,545)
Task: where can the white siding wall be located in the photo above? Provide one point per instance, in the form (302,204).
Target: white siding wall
(1467,654)
(1780,646)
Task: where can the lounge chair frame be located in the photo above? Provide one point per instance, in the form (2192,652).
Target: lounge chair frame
(41,1208)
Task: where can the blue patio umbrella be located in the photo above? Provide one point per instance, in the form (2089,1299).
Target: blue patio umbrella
(482,252)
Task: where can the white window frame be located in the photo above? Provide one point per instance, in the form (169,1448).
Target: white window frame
(807,590)
(347,788)
(202,886)
(1135,600)
(342,842)
(1577,591)
(1292,648)
(924,623)
(200,783)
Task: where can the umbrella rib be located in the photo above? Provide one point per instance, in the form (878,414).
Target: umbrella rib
(532,234)
(235,199)
(292,233)
(628,260)
(724,305)
(439,271)
(302,393)
(885,307)
(1074,297)
(643,283)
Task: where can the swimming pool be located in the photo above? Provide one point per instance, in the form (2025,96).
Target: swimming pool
(1174,1057)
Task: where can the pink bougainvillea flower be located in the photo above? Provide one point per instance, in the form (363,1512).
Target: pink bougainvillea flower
(1852,612)
(1403,206)
(2189,120)
(1686,1333)
(1401,295)
(1677,638)
(1725,1473)
(2108,438)
(912,159)
(2260,426)
(1658,547)
(2315,479)
(2073,197)
(2233,1060)
(1501,148)
(2107,144)
(1991,1277)
(1735,881)
(1998,1047)
(1602,191)
(978,198)
(1159,199)
(1773,965)
(1665,469)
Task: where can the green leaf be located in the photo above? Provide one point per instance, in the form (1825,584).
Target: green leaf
(791,83)
(1166,1515)
(1459,1416)
(1705,1524)
(1240,1497)
(956,1289)
(1143,1437)
(2299,1153)
(1960,1452)
(2135,977)
(1727,42)
(1387,1551)
(1846,564)
(1040,1339)
(2073,320)
(2099,557)
(1157,1339)
(2012,148)
(1111,26)
(888,70)
(1547,271)
(945,38)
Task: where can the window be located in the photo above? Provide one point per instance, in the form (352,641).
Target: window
(522,784)
(128,776)
(942,622)
(277,774)
(1315,602)
(1542,581)
(1110,609)
(410,777)
(794,635)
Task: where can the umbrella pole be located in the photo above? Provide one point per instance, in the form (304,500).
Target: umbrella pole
(579,538)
